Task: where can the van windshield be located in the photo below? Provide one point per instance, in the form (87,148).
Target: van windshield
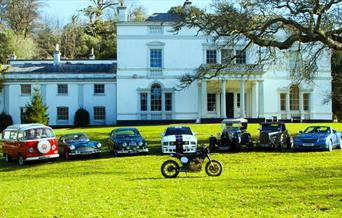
(38,133)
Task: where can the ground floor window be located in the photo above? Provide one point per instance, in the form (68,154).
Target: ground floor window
(156,98)
(168,101)
(211,102)
(99,113)
(143,101)
(23,114)
(62,113)
(283,102)
(306,101)
(294,98)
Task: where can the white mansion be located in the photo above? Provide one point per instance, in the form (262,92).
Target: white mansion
(140,85)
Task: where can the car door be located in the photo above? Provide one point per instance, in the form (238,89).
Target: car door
(13,145)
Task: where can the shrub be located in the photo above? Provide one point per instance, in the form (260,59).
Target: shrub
(5,121)
(82,118)
(36,111)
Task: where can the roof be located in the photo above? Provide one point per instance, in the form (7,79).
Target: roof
(63,68)
(163,17)
(241,120)
(26,126)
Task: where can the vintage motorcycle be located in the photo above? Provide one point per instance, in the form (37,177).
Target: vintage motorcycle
(191,163)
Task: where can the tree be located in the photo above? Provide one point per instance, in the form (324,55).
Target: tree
(5,121)
(310,25)
(36,111)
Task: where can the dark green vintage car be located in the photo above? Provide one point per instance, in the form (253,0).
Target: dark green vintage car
(127,141)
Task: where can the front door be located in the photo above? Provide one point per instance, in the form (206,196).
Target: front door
(230,105)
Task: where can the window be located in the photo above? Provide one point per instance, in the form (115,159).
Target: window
(156,30)
(156,58)
(211,102)
(62,89)
(226,56)
(25,89)
(23,114)
(168,101)
(240,57)
(294,98)
(306,101)
(238,100)
(283,102)
(99,89)
(211,57)
(62,113)
(143,101)
(156,98)
(99,113)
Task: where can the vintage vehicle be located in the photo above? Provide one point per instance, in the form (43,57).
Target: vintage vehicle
(127,141)
(234,135)
(78,144)
(191,163)
(29,142)
(178,139)
(274,135)
(318,138)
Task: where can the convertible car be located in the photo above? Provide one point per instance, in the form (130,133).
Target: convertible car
(274,135)
(318,138)
(78,144)
(127,141)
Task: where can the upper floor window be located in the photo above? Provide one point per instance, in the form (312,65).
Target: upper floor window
(155,58)
(62,89)
(156,30)
(294,98)
(211,57)
(156,98)
(226,56)
(240,57)
(99,88)
(25,89)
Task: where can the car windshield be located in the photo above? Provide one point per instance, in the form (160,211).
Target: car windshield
(178,131)
(75,137)
(271,127)
(234,126)
(37,133)
(126,132)
(317,129)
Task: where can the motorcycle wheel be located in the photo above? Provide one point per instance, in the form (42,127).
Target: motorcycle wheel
(214,168)
(170,169)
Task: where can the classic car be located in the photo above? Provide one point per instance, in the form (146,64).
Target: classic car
(127,141)
(29,142)
(274,135)
(78,144)
(234,135)
(318,138)
(178,139)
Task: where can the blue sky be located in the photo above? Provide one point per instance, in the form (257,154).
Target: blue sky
(64,9)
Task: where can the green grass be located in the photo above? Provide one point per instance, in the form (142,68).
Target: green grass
(262,184)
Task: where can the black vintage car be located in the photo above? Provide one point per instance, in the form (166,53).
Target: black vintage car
(127,141)
(274,135)
(234,136)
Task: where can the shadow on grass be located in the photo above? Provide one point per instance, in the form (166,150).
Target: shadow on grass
(180,177)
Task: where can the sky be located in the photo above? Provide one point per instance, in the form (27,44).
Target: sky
(62,10)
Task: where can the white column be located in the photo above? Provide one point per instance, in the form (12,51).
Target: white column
(223,99)
(261,99)
(204,98)
(288,106)
(242,99)
(217,106)
(255,105)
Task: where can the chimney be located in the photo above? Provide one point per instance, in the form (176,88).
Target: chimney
(13,57)
(92,54)
(122,13)
(56,56)
(187,5)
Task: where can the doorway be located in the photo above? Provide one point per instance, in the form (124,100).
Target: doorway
(230,105)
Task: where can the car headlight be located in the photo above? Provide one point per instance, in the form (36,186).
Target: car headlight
(54,147)
(165,143)
(322,139)
(124,144)
(98,145)
(72,147)
(30,150)
(141,143)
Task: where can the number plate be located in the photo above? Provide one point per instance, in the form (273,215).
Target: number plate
(308,144)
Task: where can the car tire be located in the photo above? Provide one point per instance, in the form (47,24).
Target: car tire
(66,155)
(330,146)
(21,161)
(340,146)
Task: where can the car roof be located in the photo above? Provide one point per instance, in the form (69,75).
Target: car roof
(26,126)
(264,123)
(241,120)
(177,127)
(125,128)
(320,126)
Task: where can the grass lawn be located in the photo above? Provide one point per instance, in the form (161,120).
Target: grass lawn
(262,184)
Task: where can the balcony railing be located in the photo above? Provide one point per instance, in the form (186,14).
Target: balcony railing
(234,68)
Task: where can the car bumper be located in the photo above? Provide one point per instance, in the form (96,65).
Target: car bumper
(172,149)
(311,146)
(145,150)
(45,157)
(83,153)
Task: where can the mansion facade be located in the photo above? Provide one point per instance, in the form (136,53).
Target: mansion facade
(141,85)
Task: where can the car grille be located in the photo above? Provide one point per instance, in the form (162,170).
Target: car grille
(264,138)
(309,140)
(85,149)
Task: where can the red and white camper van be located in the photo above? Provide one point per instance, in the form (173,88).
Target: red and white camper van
(29,142)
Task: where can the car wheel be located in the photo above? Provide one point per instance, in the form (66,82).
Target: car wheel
(340,147)
(66,155)
(21,161)
(330,146)
(6,158)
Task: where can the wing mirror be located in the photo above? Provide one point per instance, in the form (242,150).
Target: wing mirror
(162,134)
(300,132)
(194,133)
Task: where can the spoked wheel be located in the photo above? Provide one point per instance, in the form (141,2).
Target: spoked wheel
(170,169)
(21,161)
(213,168)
